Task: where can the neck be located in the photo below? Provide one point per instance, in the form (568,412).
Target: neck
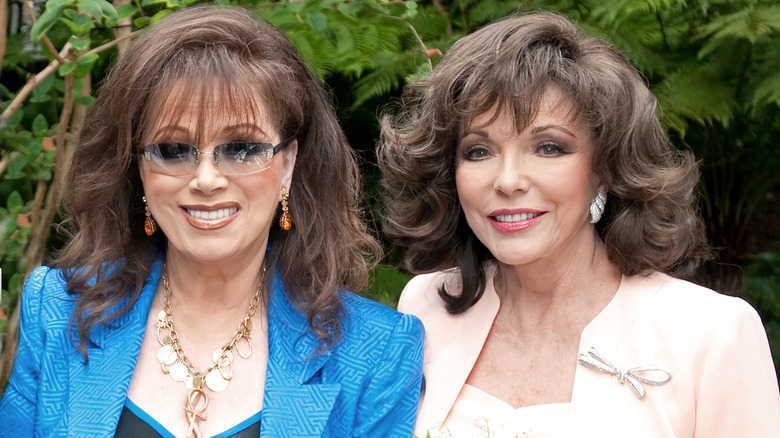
(570,289)
(209,300)
(214,286)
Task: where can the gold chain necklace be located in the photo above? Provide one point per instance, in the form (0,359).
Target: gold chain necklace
(176,364)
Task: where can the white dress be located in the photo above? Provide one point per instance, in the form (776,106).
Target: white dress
(479,414)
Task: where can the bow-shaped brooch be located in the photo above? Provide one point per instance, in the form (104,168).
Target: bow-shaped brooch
(635,376)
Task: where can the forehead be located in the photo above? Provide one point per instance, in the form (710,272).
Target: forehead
(205,111)
(552,106)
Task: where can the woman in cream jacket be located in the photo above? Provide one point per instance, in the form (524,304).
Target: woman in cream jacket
(531,171)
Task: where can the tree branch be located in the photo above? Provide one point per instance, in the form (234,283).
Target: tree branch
(35,80)
(111,43)
(3,164)
(3,29)
(29,8)
(417,36)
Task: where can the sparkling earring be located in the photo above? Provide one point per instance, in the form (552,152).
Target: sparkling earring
(597,206)
(285,221)
(149,225)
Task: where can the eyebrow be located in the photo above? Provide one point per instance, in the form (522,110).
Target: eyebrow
(538,129)
(244,127)
(478,132)
(229,129)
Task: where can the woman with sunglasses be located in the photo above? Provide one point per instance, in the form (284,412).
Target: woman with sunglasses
(215,205)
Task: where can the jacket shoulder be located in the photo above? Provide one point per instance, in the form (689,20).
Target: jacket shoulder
(367,316)
(686,300)
(421,295)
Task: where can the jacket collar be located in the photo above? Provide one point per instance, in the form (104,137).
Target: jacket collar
(296,402)
(99,388)
(449,364)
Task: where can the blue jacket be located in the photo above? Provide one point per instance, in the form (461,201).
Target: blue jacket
(368,384)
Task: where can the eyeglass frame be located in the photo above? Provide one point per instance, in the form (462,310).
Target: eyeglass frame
(147,155)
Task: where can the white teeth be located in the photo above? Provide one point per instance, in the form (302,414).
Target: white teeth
(515,217)
(211,215)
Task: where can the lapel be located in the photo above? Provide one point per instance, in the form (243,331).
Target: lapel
(449,364)
(610,332)
(97,391)
(296,403)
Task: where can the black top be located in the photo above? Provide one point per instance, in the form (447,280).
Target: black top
(132,425)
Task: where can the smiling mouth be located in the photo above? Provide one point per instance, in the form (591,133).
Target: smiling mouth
(212,215)
(515,217)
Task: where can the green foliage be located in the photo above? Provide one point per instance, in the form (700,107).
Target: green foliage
(713,64)
(762,282)
(385,285)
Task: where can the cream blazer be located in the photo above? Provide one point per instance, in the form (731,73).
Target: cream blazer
(723,380)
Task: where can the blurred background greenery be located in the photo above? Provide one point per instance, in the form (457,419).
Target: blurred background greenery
(713,64)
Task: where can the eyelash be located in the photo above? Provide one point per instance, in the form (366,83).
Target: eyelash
(558,149)
(468,153)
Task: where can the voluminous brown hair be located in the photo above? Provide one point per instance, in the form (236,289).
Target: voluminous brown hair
(651,221)
(225,56)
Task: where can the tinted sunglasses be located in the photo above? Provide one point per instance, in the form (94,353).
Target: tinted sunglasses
(234,158)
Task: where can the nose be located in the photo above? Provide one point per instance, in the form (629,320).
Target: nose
(512,175)
(207,178)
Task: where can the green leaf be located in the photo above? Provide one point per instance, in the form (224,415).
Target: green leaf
(167,3)
(70,13)
(46,21)
(67,68)
(39,126)
(350,10)
(85,100)
(89,58)
(80,44)
(124,11)
(108,10)
(318,21)
(83,69)
(41,173)
(81,25)
(15,118)
(14,169)
(91,7)
(160,15)
(14,201)
(58,3)
(15,284)
(140,22)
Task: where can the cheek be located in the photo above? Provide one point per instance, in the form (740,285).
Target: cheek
(471,192)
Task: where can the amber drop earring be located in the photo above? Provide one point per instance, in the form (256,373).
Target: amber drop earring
(149,225)
(285,221)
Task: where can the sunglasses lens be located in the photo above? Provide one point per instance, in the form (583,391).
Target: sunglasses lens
(240,157)
(170,158)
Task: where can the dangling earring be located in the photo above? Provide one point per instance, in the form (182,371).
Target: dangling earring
(149,226)
(597,206)
(285,221)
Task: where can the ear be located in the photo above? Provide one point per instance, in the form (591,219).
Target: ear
(288,165)
(142,170)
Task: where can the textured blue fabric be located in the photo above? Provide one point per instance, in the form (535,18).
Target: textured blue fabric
(366,385)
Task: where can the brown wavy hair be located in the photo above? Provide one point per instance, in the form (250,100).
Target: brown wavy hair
(228,56)
(651,222)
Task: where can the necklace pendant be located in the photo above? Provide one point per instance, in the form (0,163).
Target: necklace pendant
(195,411)
(215,381)
(221,355)
(178,372)
(248,352)
(166,355)
(197,382)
